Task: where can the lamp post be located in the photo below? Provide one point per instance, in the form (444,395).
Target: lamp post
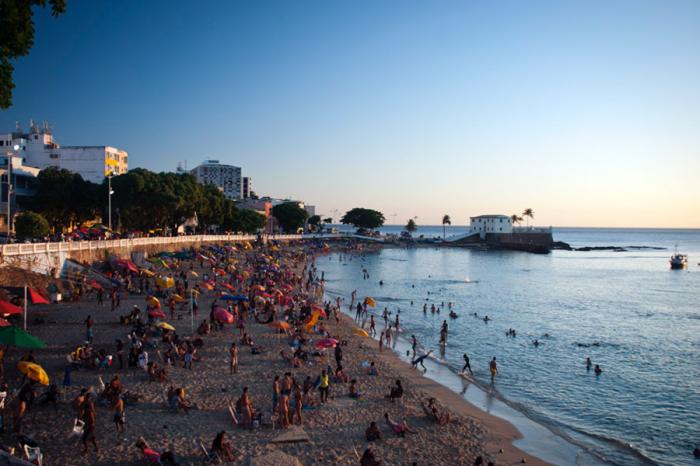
(110,174)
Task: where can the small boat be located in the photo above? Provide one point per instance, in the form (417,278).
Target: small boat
(678,261)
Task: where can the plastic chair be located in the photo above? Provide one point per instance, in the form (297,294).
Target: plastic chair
(33,454)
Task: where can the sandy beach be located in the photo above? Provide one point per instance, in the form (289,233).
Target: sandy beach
(335,430)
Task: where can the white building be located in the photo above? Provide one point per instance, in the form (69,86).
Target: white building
(225,177)
(39,149)
(484,224)
(22,183)
(247,186)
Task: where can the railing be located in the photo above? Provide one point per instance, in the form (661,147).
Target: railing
(68,246)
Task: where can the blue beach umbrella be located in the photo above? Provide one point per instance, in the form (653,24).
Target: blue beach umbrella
(228,297)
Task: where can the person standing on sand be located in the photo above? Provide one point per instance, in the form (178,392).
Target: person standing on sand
(381,341)
(275,393)
(88,329)
(414,344)
(493,368)
(233,353)
(298,402)
(323,386)
(119,414)
(372,326)
(88,415)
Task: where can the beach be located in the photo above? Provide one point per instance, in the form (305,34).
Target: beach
(335,430)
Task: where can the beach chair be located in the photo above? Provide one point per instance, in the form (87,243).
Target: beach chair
(232,412)
(34,455)
(78,427)
(211,457)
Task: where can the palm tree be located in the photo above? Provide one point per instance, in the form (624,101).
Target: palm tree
(515,218)
(445,221)
(529,213)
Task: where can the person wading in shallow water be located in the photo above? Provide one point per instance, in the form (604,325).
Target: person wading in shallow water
(493,368)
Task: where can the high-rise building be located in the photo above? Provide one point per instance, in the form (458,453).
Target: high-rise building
(37,148)
(225,177)
(247,186)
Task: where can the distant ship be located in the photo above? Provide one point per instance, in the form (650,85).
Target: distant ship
(678,261)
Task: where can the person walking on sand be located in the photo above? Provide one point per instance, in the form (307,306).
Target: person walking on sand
(372,326)
(298,402)
(119,414)
(88,414)
(387,335)
(493,368)
(381,341)
(466,364)
(233,353)
(414,344)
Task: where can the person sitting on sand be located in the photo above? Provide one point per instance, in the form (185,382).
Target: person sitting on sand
(353,391)
(222,448)
(372,369)
(433,414)
(373,433)
(368,459)
(396,391)
(204,328)
(341,376)
(399,428)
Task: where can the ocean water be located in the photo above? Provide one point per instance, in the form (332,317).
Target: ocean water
(627,311)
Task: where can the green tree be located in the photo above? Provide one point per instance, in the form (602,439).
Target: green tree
(528,213)
(30,225)
(248,221)
(411,226)
(17,37)
(445,221)
(516,219)
(290,216)
(327,220)
(363,218)
(314,220)
(64,198)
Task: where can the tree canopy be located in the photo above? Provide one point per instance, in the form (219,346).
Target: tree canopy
(411,226)
(17,37)
(31,225)
(142,201)
(314,220)
(363,218)
(290,216)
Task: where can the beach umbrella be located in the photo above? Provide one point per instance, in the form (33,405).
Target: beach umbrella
(4,323)
(222,315)
(177,298)
(360,332)
(165,326)
(326,343)
(147,273)
(33,371)
(370,302)
(228,286)
(228,297)
(220,271)
(194,274)
(153,301)
(157,313)
(208,286)
(15,336)
(94,285)
(9,308)
(36,297)
(165,282)
(280,325)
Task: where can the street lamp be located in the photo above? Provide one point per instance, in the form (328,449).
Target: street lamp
(110,174)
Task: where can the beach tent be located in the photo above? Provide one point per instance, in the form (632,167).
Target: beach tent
(15,336)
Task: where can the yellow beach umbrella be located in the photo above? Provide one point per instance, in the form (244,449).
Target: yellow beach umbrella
(194,274)
(153,301)
(370,302)
(360,332)
(33,371)
(177,298)
(165,282)
(147,273)
(165,326)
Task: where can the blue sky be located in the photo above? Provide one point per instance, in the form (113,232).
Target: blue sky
(587,112)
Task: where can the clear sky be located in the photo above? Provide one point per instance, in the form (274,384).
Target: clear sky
(587,112)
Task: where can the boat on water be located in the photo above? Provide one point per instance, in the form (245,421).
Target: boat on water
(678,261)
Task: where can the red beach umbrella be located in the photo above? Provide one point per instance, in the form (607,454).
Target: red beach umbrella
(327,343)
(9,308)
(222,315)
(4,323)
(157,313)
(36,297)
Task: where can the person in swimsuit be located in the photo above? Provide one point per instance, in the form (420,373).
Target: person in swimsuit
(420,360)
(493,368)
(466,364)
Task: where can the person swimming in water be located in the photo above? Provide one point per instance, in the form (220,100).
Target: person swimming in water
(588,364)
(598,370)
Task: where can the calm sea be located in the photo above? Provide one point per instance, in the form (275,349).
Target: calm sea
(627,311)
